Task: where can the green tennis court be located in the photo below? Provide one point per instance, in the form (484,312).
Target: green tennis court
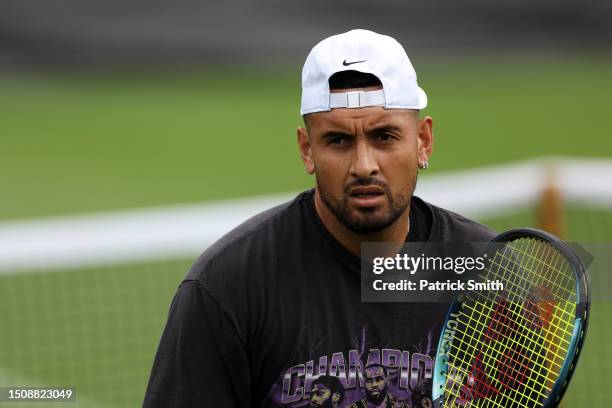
(93,143)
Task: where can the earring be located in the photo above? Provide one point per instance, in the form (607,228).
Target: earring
(424,165)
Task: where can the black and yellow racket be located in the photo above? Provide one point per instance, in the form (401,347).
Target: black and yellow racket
(515,347)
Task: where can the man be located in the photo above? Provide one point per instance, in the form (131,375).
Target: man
(276,302)
(376,388)
(421,396)
(327,392)
(401,402)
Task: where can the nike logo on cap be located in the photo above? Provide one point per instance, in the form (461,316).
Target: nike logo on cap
(346,64)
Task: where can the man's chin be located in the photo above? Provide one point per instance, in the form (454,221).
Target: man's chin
(367,221)
(376,398)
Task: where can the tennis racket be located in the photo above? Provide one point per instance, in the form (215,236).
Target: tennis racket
(517,347)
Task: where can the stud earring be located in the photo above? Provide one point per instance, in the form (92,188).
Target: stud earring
(424,165)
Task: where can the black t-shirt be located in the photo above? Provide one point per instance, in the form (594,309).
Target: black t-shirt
(275,304)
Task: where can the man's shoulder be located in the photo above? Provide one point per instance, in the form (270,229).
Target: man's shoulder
(254,239)
(362,403)
(456,227)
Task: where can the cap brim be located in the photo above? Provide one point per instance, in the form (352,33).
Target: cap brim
(422,103)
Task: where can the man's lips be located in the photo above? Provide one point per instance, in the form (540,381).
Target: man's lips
(366,196)
(366,190)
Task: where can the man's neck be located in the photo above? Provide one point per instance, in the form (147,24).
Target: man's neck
(383,404)
(395,233)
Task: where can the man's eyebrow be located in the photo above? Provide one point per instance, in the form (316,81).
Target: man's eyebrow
(334,133)
(384,128)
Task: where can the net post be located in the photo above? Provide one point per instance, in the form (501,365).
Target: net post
(550,214)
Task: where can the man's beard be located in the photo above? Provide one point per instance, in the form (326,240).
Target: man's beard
(367,221)
(326,404)
(376,400)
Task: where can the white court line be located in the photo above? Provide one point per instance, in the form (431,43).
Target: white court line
(183,231)
(122,236)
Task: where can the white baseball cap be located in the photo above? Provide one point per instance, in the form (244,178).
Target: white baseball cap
(363,51)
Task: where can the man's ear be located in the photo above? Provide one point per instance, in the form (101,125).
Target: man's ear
(305,150)
(425,139)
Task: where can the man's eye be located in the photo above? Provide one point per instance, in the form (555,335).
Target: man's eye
(385,136)
(336,140)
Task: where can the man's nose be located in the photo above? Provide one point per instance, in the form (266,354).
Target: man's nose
(364,161)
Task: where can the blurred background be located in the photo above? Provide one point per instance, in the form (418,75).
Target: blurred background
(133,134)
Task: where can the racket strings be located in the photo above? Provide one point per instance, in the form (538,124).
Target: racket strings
(491,353)
(508,353)
(476,372)
(564,276)
(525,335)
(506,372)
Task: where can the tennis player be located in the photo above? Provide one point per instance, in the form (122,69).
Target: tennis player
(275,304)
